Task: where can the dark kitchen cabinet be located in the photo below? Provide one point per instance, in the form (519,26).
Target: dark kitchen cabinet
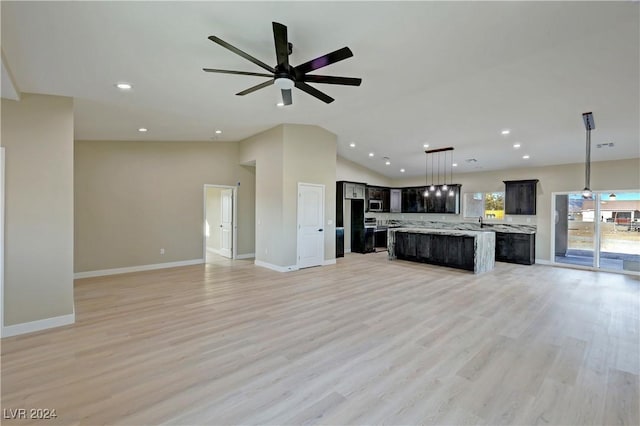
(515,248)
(357,226)
(339,242)
(414,201)
(339,204)
(520,197)
(446,250)
(380,194)
(406,246)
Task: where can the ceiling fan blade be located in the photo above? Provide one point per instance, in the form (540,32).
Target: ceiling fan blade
(286,97)
(314,92)
(323,61)
(237,72)
(282,45)
(328,79)
(241,53)
(256,87)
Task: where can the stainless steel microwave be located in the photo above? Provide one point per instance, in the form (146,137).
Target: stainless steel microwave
(375,205)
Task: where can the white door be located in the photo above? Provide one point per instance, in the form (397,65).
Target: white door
(226,225)
(310,225)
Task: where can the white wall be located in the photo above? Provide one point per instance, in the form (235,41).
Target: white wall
(353,172)
(37,133)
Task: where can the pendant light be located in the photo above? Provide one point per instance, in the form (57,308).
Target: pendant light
(432,187)
(438,192)
(451,193)
(426,176)
(439,189)
(589,125)
(444,187)
(612,197)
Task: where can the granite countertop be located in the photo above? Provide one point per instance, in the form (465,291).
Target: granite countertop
(510,230)
(454,232)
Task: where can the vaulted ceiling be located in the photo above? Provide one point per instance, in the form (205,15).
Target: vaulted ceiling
(438,73)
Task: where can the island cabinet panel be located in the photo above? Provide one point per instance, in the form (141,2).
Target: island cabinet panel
(515,248)
(446,250)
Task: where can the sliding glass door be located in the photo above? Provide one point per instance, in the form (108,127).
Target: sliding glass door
(601,232)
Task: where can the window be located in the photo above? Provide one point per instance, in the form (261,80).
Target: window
(489,205)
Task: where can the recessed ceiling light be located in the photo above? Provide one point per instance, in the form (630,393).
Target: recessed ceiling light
(280,104)
(142,129)
(218,132)
(371,154)
(401,170)
(426,145)
(526,157)
(516,145)
(505,131)
(388,163)
(352,145)
(455,164)
(124,86)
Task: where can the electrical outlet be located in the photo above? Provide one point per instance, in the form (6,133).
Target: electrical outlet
(162,251)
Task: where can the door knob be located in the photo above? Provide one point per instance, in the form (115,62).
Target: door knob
(320,230)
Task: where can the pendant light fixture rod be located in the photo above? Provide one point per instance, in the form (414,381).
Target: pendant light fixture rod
(589,125)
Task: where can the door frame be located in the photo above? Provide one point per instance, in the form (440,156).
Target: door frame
(2,189)
(324,233)
(596,233)
(234,226)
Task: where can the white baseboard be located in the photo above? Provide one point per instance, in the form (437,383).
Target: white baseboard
(212,250)
(104,272)
(543,262)
(329,262)
(39,325)
(347,250)
(246,256)
(275,267)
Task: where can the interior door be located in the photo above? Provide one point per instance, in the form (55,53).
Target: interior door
(226,223)
(310,225)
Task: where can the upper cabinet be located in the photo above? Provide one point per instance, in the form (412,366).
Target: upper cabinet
(354,190)
(414,201)
(520,197)
(381,198)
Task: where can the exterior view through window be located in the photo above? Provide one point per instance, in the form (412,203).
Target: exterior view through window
(489,205)
(603,231)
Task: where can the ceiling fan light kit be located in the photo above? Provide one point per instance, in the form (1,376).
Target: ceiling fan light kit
(286,77)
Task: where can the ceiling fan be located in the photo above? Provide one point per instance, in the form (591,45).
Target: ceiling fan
(286,76)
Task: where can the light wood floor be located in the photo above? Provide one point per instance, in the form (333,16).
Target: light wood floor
(366,341)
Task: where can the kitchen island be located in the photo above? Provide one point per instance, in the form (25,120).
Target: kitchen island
(470,250)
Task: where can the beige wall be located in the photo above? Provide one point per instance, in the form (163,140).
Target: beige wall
(352,172)
(37,133)
(283,156)
(309,157)
(264,150)
(605,175)
(214,217)
(135,197)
